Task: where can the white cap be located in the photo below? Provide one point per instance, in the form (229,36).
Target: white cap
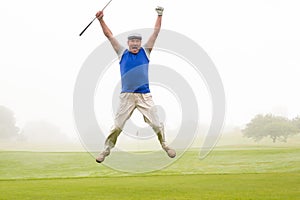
(134,36)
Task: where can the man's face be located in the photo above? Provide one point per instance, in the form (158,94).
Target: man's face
(134,45)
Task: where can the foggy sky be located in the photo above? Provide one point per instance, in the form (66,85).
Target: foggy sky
(255,46)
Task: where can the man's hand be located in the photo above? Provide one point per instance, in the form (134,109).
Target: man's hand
(99,15)
(159,10)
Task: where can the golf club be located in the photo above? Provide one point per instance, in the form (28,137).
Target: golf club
(93,20)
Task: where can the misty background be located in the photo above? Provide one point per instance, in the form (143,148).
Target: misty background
(255,46)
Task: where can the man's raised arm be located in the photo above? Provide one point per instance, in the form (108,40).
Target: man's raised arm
(107,32)
(150,43)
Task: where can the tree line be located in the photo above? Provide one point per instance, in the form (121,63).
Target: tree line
(34,131)
(277,128)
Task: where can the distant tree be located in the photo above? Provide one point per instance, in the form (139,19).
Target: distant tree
(8,126)
(275,127)
(296,122)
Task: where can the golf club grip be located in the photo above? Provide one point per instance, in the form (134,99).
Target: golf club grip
(86,27)
(94,19)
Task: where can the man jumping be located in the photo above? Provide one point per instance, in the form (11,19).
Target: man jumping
(134,63)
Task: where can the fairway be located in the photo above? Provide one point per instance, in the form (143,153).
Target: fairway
(252,173)
(233,186)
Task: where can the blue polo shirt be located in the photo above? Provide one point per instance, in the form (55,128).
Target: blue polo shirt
(134,72)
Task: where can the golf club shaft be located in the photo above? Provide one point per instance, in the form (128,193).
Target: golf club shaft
(93,19)
(106,5)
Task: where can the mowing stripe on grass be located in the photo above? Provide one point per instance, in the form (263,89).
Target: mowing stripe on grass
(207,187)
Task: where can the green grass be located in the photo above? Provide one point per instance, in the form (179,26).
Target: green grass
(212,187)
(252,173)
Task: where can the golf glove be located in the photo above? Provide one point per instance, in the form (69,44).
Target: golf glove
(159,10)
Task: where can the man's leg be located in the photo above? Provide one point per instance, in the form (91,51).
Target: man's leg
(125,110)
(147,107)
(109,144)
(111,140)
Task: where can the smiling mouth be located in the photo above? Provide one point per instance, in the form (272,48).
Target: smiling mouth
(134,47)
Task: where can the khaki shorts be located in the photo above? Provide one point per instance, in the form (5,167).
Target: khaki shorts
(128,103)
(143,102)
